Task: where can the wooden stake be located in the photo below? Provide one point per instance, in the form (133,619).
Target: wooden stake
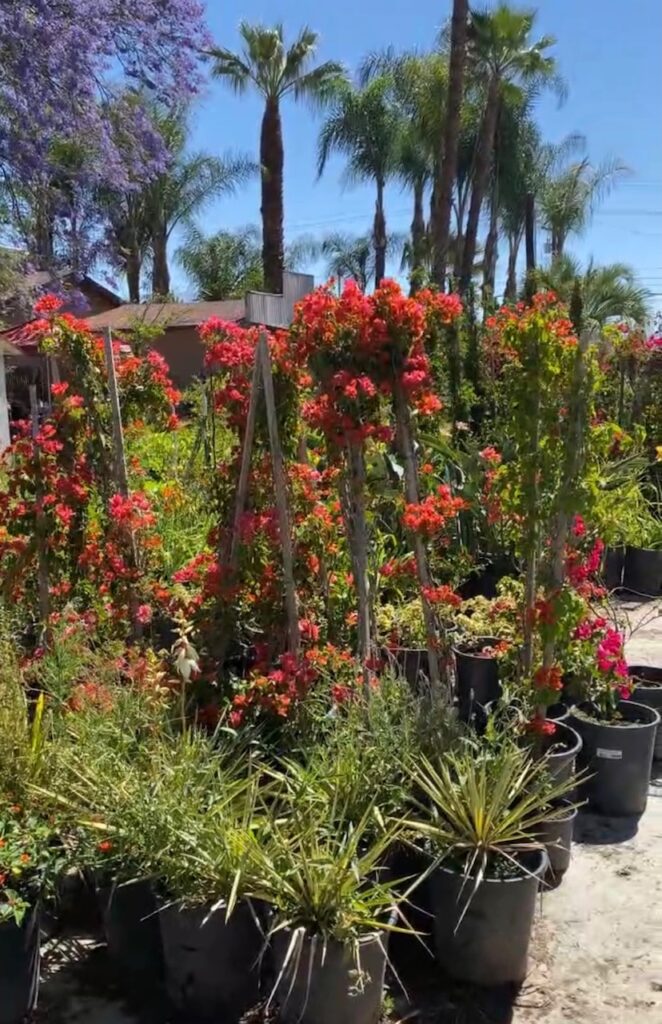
(406,446)
(43,584)
(120,471)
(246,455)
(280,488)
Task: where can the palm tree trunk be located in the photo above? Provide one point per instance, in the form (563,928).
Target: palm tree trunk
(160,269)
(491,250)
(511,280)
(451,136)
(417,240)
(481,177)
(272,159)
(132,268)
(530,231)
(379,235)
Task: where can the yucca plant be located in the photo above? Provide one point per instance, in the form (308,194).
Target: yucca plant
(332,882)
(481,809)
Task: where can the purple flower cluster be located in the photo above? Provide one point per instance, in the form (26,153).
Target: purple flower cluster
(65,68)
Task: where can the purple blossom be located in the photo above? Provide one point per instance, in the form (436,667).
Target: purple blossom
(66,64)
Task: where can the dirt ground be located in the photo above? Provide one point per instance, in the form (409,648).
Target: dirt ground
(597,945)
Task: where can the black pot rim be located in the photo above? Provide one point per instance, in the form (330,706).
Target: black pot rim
(641,681)
(488,641)
(577,743)
(645,551)
(535,872)
(571,813)
(646,712)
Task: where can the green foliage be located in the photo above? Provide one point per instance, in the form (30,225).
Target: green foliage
(223,266)
(482,806)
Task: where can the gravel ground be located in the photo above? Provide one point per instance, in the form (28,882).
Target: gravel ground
(597,946)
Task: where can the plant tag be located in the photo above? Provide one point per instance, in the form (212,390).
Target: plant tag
(608,754)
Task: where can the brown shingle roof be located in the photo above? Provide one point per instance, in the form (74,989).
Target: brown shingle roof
(167,314)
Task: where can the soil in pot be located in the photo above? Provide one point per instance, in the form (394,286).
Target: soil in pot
(618,755)
(477,675)
(648,690)
(326,983)
(557,835)
(643,571)
(19,967)
(561,749)
(489,945)
(211,963)
(133,932)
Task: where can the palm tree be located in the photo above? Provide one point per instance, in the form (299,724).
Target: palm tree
(353,258)
(419,85)
(607,292)
(501,56)
(568,199)
(128,234)
(364,124)
(225,265)
(188,182)
(275,72)
(449,148)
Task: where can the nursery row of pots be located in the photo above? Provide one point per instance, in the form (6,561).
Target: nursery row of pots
(635,569)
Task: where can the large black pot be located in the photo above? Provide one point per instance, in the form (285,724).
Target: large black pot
(648,690)
(643,571)
(612,568)
(211,962)
(562,749)
(618,757)
(490,944)
(19,968)
(556,834)
(326,983)
(477,676)
(133,932)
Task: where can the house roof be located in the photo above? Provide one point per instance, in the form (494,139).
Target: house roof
(167,314)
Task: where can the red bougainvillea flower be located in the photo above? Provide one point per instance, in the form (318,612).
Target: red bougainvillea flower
(549,678)
(47,305)
(443,595)
(144,614)
(490,455)
(541,726)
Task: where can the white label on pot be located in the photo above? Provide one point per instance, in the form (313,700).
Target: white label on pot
(608,754)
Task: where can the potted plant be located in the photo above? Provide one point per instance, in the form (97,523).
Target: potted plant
(642,573)
(333,899)
(647,689)
(618,733)
(481,815)
(29,859)
(401,632)
(488,630)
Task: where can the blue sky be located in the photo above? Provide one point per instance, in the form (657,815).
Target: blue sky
(608,51)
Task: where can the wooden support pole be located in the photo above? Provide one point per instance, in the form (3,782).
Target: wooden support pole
(280,488)
(43,583)
(246,455)
(120,470)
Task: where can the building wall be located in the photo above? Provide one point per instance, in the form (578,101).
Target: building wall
(183,351)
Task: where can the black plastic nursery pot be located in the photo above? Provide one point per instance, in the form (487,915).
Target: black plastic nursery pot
(133,932)
(19,967)
(412,663)
(643,571)
(612,568)
(618,757)
(557,838)
(558,712)
(325,983)
(211,962)
(562,750)
(477,675)
(490,944)
(648,690)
